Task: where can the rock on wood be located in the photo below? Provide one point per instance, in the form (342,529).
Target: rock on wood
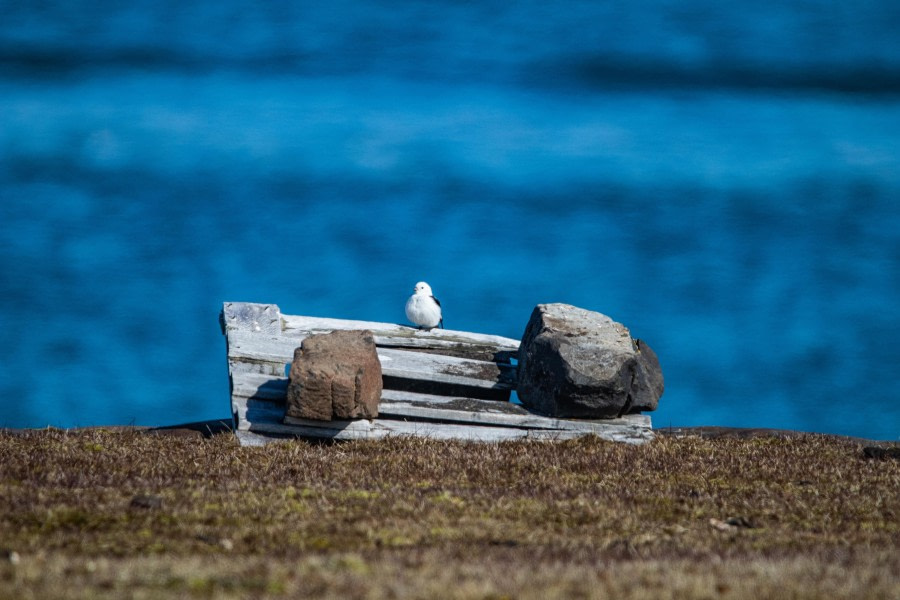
(436,384)
(335,375)
(579,363)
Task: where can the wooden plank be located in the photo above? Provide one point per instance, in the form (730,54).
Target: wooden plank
(245,365)
(488,352)
(380,428)
(250,438)
(260,346)
(263,387)
(402,364)
(263,398)
(268,417)
(267,318)
(462,344)
(251,412)
(398,404)
(260,318)
(265,417)
(299,325)
(446,369)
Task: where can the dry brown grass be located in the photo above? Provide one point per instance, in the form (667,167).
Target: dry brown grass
(126,514)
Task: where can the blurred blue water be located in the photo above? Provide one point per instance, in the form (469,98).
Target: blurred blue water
(723,180)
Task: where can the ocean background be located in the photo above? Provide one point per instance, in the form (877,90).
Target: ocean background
(722,178)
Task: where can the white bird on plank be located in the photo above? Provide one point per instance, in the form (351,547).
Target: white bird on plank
(423,308)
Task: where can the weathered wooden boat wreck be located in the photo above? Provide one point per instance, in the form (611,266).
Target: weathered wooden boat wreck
(440,384)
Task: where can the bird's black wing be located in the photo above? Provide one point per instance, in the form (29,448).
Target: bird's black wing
(438,302)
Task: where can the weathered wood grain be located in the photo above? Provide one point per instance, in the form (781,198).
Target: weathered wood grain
(462,344)
(403,364)
(455,368)
(380,428)
(264,399)
(267,319)
(261,318)
(259,386)
(399,404)
(303,324)
(266,418)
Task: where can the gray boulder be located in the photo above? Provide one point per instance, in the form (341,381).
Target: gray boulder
(335,375)
(580,363)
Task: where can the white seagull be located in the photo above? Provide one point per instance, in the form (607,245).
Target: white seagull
(423,308)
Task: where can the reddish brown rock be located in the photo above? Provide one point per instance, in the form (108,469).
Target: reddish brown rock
(335,376)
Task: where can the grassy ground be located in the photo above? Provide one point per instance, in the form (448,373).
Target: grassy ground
(94,514)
